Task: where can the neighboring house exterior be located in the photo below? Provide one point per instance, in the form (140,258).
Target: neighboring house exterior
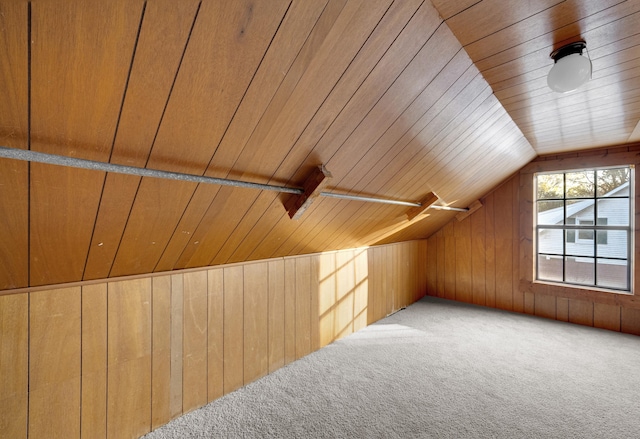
(580,250)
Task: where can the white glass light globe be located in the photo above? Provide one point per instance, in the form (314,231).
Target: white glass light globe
(569,73)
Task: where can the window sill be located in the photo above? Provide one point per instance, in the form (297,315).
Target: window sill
(599,295)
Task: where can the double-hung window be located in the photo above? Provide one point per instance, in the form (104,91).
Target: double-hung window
(584,227)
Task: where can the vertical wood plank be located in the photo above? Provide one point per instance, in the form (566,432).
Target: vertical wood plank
(630,323)
(360,300)
(289,310)
(478,257)
(14,366)
(529,304)
(129,358)
(54,363)
(545,306)
(517,295)
(449,262)
(562,309)
(606,316)
(503,212)
(490,254)
(194,354)
(233,328)
(276,315)
(54,410)
(463,283)
(344,293)
(388,270)
(398,277)
(129,317)
(215,341)
(256,321)
(423,267)
(177,317)
(380,300)
(94,361)
(315,313)
(526,227)
(326,299)
(372,315)
(581,312)
(432,265)
(161,351)
(303,306)
(440,284)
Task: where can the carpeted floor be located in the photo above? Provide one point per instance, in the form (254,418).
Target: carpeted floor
(441,369)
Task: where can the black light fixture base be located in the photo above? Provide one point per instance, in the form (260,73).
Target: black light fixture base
(568,49)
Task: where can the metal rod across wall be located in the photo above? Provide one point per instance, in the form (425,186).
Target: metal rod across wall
(52,159)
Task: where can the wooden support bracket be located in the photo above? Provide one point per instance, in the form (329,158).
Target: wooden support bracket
(313,186)
(430,199)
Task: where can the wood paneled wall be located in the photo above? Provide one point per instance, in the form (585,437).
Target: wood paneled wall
(486,258)
(116,359)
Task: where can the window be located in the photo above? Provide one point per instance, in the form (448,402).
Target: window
(583,227)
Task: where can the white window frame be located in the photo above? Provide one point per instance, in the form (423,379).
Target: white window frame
(595,227)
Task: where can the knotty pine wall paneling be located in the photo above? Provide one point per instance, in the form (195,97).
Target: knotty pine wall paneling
(120,357)
(502,231)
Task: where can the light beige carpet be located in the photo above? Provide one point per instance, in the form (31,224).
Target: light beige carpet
(441,369)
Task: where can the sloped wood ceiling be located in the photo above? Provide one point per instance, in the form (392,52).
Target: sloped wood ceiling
(395,98)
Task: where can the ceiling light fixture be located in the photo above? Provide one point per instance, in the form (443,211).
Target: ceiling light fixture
(571,69)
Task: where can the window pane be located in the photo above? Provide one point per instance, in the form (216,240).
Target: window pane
(583,227)
(583,246)
(586,235)
(580,210)
(603,237)
(550,186)
(614,210)
(615,246)
(550,212)
(579,270)
(580,184)
(613,182)
(550,268)
(550,241)
(612,274)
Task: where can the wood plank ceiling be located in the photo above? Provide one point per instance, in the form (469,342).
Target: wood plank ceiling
(396,98)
